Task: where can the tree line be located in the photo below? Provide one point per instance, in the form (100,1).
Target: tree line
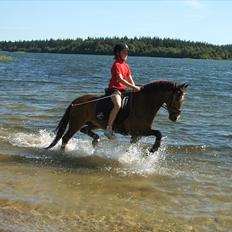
(142,46)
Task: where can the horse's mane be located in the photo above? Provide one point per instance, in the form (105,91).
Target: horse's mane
(161,85)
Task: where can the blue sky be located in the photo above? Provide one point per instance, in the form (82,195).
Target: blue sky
(195,20)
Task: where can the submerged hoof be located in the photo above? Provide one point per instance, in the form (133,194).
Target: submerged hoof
(95,142)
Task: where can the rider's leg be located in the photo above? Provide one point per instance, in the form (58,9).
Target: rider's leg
(116,99)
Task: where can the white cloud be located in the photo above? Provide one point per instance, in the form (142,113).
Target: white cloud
(197,4)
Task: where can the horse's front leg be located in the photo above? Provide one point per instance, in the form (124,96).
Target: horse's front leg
(158,136)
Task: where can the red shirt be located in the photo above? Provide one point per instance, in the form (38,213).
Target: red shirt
(119,67)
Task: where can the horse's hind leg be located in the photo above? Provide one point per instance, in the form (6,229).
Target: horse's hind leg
(68,135)
(87,130)
(73,128)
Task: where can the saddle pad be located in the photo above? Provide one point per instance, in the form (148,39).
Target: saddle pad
(104,107)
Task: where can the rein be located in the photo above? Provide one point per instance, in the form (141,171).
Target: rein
(98,99)
(168,108)
(165,106)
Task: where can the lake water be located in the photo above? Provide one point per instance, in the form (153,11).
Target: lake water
(185,186)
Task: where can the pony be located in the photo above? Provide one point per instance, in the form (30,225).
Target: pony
(80,115)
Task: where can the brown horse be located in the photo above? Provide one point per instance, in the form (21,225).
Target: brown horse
(81,114)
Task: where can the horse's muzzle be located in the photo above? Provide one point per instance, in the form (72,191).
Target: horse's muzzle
(174,117)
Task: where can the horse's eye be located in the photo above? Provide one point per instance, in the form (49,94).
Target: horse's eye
(179,93)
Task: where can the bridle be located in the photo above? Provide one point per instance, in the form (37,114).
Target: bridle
(171,109)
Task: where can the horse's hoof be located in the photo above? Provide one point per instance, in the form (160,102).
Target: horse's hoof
(95,142)
(154,149)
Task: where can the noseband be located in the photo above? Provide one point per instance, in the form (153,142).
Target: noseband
(171,109)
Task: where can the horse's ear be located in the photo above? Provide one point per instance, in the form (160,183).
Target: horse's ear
(186,85)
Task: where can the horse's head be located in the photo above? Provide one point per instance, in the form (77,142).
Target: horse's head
(175,101)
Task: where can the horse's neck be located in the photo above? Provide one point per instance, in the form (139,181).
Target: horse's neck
(149,103)
(155,100)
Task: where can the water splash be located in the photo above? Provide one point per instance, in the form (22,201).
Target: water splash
(43,138)
(132,159)
(31,139)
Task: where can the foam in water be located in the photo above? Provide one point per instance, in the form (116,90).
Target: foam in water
(134,159)
(31,139)
(43,138)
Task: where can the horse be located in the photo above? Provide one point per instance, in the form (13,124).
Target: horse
(80,115)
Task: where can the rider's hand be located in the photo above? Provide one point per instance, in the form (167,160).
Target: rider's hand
(136,88)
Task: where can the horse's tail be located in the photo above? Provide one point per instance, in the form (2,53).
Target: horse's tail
(61,127)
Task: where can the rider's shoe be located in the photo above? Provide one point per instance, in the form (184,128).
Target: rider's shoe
(109,133)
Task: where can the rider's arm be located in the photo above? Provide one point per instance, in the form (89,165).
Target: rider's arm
(131,80)
(129,85)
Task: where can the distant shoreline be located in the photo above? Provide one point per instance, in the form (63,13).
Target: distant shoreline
(144,46)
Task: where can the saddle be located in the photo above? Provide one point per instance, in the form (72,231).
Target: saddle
(105,106)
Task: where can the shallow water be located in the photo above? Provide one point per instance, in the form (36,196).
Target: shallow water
(185,186)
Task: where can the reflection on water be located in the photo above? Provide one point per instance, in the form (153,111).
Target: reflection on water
(36,198)
(113,187)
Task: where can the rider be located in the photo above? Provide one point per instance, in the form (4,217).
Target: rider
(120,80)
